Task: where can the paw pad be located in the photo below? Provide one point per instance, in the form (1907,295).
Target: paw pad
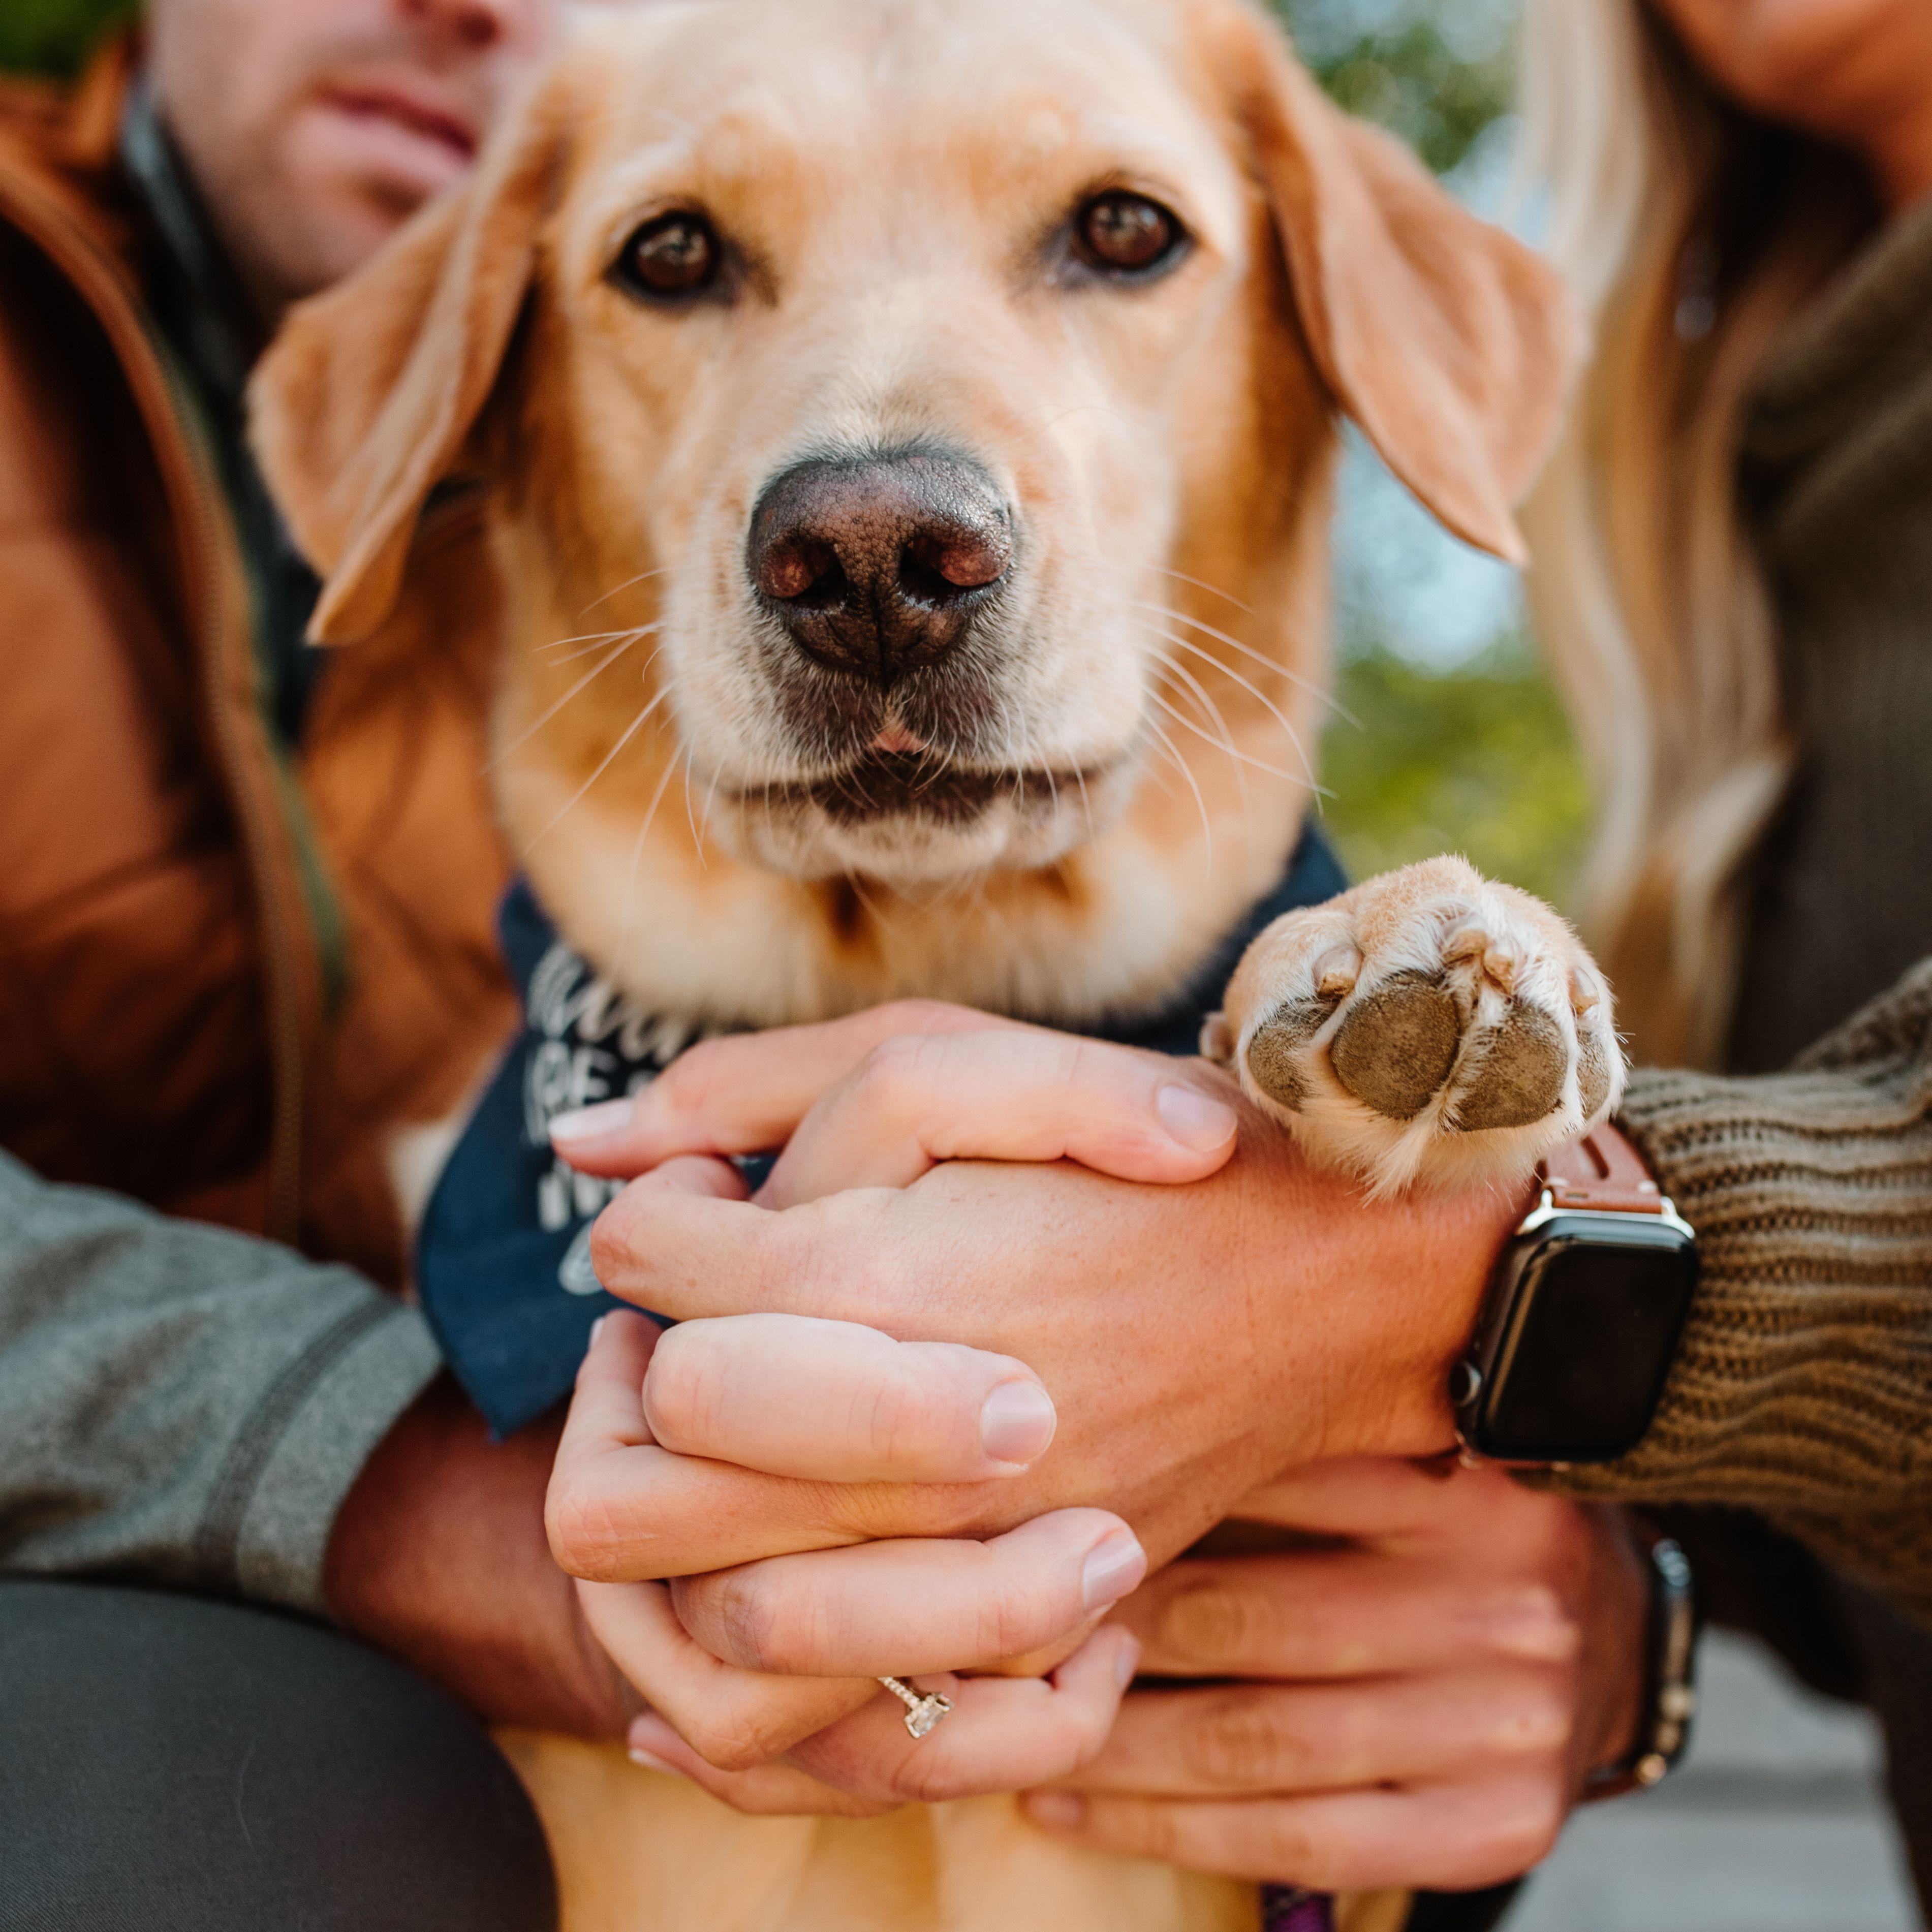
(1514,1073)
(1428,1025)
(1395,1049)
(1274,1053)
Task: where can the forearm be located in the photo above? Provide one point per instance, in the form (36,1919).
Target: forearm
(1803,1386)
(180,1405)
(438,1556)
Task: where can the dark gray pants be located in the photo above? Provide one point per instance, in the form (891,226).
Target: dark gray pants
(170,1764)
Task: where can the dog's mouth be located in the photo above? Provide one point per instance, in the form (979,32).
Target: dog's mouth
(913,785)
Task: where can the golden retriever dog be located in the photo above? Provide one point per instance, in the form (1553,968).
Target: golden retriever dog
(904,430)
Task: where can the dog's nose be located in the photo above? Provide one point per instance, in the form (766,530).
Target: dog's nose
(878,565)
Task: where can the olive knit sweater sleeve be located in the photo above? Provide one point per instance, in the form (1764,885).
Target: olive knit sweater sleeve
(1802,1387)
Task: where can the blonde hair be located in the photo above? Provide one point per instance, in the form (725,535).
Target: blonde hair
(1692,233)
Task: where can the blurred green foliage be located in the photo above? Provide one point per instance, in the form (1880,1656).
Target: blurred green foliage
(55,36)
(1478,759)
(1439,73)
(1414,84)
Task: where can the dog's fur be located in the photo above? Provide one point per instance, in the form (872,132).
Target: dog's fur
(1059,821)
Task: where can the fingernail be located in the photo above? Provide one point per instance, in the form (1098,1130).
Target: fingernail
(1128,1659)
(589,1123)
(643,1760)
(1114,1566)
(1065,1809)
(597,1329)
(1199,1121)
(1017,1422)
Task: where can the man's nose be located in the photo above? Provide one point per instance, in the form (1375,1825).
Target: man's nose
(879,565)
(480,26)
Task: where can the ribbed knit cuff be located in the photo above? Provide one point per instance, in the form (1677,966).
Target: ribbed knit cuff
(1803,1385)
(292,1468)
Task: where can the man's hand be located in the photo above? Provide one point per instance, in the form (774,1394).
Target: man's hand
(1418,1707)
(1194,1339)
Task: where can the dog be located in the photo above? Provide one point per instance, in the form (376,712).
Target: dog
(903,431)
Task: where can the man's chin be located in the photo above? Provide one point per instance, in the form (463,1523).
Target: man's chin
(370,163)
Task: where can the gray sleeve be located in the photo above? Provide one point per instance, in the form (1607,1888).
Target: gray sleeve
(180,1405)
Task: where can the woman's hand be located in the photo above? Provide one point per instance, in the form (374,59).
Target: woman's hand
(1418,1707)
(955,1184)
(733,1686)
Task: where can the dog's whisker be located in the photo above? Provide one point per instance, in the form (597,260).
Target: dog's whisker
(872,912)
(589,650)
(1165,745)
(1078,409)
(1273,771)
(1181,765)
(634,633)
(1260,697)
(1169,667)
(1267,663)
(610,757)
(588,677)
(1222,739)
(642,576)
(691,815)
(1213,590)
(1199,691)
(636,858)
(1044,766)
(1086,803)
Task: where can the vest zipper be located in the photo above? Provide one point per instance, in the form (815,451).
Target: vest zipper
(263,825)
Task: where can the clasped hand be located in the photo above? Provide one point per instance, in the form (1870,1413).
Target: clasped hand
(966,1365)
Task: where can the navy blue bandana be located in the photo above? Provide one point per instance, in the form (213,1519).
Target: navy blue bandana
(503,1255)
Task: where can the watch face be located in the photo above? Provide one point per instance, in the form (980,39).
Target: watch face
(1574,1373)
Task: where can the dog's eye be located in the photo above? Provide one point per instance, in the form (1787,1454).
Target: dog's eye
(1123,233)
(675,254)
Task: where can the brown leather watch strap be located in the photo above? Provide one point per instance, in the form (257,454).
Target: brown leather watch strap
(1602,1174)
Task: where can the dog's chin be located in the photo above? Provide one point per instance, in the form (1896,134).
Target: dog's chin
(898,819)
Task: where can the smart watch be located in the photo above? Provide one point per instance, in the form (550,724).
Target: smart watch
(1582,1315)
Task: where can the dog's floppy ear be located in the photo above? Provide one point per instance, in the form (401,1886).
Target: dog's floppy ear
(363,401)
(1450,344)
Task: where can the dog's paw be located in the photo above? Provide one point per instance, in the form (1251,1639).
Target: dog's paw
(1428,1026)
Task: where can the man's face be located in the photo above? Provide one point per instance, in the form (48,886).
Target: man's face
(314,128)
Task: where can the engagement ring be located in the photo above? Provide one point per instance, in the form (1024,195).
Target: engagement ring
(923,1710)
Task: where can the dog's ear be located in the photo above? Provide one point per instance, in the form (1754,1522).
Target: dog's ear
(365,400)
(1451,345)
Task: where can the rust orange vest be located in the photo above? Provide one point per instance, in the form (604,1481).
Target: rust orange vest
(166,1028)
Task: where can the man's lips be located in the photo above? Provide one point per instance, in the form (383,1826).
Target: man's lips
(414,112)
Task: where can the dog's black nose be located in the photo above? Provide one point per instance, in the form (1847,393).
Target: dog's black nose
(879,565)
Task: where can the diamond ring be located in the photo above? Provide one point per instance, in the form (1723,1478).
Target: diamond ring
(923,1710)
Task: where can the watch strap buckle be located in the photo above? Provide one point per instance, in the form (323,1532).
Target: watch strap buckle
(1601,1174)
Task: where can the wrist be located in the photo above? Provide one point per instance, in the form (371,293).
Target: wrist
(1620,1593)
(1431,1260)
(1648,1721)
(438,1556)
